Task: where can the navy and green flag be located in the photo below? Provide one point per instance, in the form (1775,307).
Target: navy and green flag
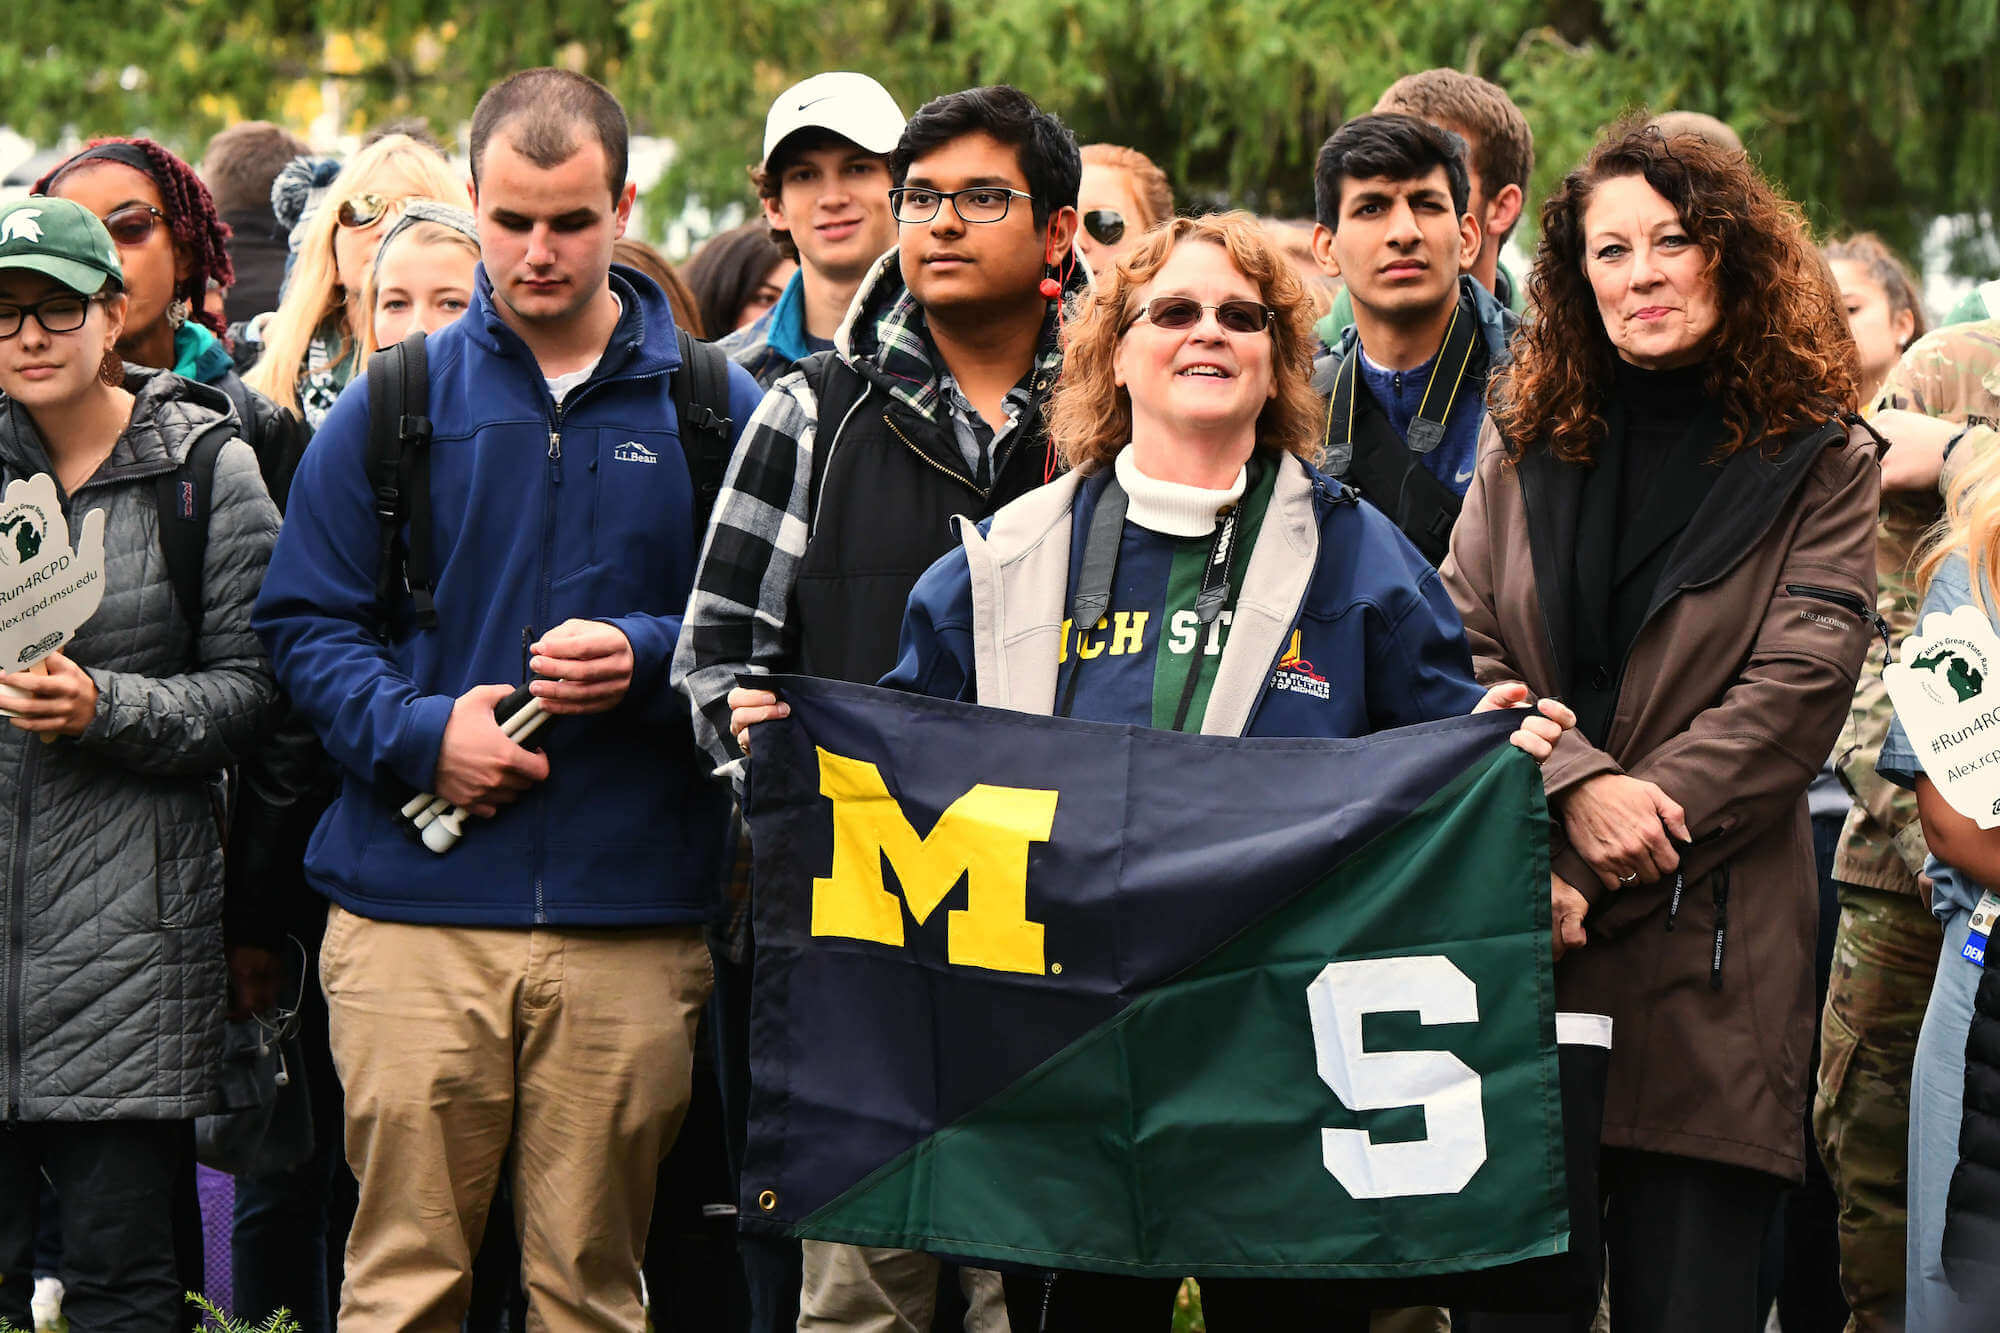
(1067,994)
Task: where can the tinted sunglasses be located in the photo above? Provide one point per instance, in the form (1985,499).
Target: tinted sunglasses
(1106,226)
(1184,312)
(365,210)
(132,224)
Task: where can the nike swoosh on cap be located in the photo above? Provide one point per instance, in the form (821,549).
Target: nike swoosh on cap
(815,102)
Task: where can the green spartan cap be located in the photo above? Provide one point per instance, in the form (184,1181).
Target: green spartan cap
(61,239)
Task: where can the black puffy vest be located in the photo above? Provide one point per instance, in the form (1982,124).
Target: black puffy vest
(886,484)
(1972,1212)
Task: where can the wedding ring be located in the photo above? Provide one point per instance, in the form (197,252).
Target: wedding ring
(1627,879)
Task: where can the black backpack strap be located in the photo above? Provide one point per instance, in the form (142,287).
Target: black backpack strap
(399,477)
(183,498)
(701,403)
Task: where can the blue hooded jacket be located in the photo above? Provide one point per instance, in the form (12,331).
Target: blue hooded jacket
(1371,642)
(540,515)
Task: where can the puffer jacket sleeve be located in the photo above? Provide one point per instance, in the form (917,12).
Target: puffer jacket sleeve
(209,717)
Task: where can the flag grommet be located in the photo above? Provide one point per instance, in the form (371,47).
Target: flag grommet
(768,1200)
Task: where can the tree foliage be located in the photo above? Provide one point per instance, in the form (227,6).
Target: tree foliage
(1877,113)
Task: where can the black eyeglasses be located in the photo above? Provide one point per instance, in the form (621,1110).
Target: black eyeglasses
(1177,313)
(1106,226)
(977,203)
(57,314)
(132,224)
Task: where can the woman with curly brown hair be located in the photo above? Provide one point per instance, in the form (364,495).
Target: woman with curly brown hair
(1671,528)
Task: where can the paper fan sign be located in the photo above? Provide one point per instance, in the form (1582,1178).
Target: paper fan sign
(47,590)
(1946,690)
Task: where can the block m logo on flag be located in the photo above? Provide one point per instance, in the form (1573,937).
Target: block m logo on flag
(983,838)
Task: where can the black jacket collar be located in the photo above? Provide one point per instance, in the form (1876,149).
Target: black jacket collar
(1755,486)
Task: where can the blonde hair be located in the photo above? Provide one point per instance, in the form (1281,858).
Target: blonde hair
(396,166)
(1090,417)
(1971,525)
(415,233)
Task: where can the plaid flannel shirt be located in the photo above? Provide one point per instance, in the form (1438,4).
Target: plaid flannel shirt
(737,618)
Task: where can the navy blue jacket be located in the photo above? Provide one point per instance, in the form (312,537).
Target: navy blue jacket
(1375,643)
(540,516)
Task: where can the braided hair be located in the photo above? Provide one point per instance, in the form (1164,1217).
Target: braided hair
(191,217)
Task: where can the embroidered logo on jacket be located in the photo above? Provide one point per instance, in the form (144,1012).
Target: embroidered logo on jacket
(634,452)
(1296,674)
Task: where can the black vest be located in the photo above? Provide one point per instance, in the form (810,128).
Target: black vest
(886,484)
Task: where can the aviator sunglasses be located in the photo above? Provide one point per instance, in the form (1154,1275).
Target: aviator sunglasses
(1105,225)
(365,210)
(1177,313)
(132,224)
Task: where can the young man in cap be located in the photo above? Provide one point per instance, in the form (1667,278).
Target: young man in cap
(1407,381)
(527,1002)
(824,186)
(930,406)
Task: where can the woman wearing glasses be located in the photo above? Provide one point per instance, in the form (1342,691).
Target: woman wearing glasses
(312,341)
(1121,197)
(111,882)
(1248,595)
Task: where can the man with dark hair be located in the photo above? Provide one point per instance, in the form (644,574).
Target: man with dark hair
(824,187)
(1407,385)
(238,167)
(527,1002)
(545,111)
(930,406)
(1499,158)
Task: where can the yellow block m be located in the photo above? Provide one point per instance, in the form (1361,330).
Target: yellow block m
(983,837)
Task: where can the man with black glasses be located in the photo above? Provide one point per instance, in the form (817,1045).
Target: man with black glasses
(930,406)
(1406,387)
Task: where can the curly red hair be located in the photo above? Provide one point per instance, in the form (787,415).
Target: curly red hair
(1781,358)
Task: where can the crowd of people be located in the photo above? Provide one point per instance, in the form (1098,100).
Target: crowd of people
(971,411)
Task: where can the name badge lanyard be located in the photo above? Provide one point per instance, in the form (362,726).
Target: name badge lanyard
(1100,564)
(1427,427)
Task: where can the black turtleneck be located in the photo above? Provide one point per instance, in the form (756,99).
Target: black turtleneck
(1646,482)
(1659,406)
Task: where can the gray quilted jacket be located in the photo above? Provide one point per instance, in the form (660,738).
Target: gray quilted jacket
(112,980)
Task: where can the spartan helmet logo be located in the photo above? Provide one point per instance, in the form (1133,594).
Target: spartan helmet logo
(24,225)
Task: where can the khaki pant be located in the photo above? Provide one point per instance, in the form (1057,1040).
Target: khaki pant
(859,1289)
(565,1054)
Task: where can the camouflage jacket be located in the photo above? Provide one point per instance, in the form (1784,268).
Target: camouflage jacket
(1953,373)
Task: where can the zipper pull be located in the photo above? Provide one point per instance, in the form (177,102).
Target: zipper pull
(1674,903)
(555,444)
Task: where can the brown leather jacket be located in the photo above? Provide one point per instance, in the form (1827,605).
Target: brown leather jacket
(1732,695)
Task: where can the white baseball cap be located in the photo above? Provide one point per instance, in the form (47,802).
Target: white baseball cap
(853,106)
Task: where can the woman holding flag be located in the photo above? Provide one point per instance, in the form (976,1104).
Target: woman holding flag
(111,882)
(1210,580)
